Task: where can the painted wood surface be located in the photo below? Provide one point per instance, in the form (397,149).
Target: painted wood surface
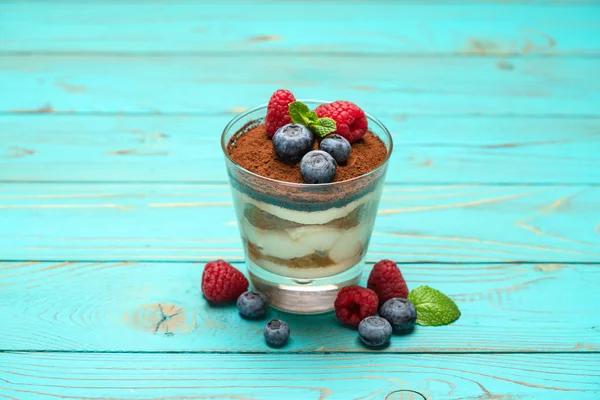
(152,306)
(128,222)
(151,148)
(113,194)
(383,85)
(280,27)
(307,377)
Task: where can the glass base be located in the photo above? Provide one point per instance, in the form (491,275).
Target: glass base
(301,296)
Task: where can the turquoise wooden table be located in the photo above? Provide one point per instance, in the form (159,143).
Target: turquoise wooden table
(113,195)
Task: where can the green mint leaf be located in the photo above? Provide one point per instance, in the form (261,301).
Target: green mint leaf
(323,126)
(320,130)
(300,113)
(434,308)
(328,123)
(312,117)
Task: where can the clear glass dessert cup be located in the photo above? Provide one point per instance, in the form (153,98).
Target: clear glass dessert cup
(303,242)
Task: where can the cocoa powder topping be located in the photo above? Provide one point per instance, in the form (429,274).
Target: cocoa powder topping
(253,150)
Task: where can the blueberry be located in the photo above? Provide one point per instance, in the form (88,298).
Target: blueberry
(317,167)
(292,141)
(374,331)
(400,313)
(252,305)
(277,333)
(337,146)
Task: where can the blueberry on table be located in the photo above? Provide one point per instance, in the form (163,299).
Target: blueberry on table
(400,313)
(252,305)
(317,166)
(277,333)
(292,141)
(337,146)
(374,331)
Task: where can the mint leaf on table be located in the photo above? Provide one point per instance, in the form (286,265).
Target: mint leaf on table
(301,114)
(433,307)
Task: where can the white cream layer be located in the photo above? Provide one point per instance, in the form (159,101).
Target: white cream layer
(337,243)
(305,217)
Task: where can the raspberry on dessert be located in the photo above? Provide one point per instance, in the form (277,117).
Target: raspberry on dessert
(350,120)
(277,111)
(387,281)
(221,282)
(355,303)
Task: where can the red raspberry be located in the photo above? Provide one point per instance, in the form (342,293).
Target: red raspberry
(222,282)
(350,119)
(387,281)
(277,111)
(355,303)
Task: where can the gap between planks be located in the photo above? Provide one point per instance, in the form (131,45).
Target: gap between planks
(48,112)
(225,184)
(285,54)
(335,352)
(241,261)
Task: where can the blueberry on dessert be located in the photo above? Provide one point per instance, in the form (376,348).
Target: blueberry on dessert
(337,146)
(317,166)
(292,142)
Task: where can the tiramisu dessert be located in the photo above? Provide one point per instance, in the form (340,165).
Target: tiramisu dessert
(306,179)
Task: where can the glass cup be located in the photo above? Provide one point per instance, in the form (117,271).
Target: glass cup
(303,242)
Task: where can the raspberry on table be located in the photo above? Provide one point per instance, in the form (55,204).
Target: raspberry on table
(387,281)
(221,282)
(350,120)
(355,303)
(277,111)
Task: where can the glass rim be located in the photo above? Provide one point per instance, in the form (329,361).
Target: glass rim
(370,117)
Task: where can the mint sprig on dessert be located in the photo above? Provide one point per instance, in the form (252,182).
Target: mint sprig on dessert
(434,308)
(293,128)
(301,114)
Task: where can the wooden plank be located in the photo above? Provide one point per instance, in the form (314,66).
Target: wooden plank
(332,377)
(382,85)
(358,27)
(449,150)
(116,306)
(452,223)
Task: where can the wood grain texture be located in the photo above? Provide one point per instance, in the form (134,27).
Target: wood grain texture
(307,377)
(109,120)
(358,27)
(150,148)
(131,306)
(474,223)
(383,85)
